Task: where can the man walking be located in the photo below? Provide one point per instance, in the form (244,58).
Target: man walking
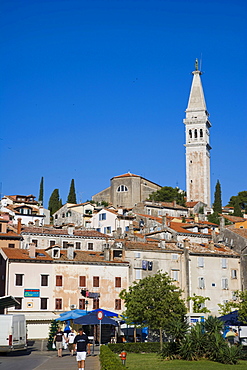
(58,339)
(70,338)
(81,342)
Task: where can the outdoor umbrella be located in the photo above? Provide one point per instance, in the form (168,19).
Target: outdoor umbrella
(107,313)
(231,319)
(71,315)
(92,319)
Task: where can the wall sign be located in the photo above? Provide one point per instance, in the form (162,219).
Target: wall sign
(31,292)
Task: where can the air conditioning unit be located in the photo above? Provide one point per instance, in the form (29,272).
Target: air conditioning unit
(73,306)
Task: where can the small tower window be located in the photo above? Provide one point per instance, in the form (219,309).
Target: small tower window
(190,134)
(201,133)
(122,188)
(195,134)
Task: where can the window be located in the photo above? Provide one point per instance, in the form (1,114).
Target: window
(65,245)
(107,230)
(201,133)
(117,304)
(234,274)
(224,263)
(122,188)
(200,261)
(43,303)
(175,256)
(190,134)
(95,304)
(11,246)
(98,229)
(102,216)
(59,280)
(44,280)
(137,255)
(77,245)
(224,282)
(118,282)
(35,241)
(82,281)
(96,281)
(90,246)
(201,283)
(58,303)
(0,228)
(138,274)
(175,275)
(19,279)
(195,134)
(56,253)
(149,211)
(81,304)
(234,296)
(52,242)
(18,306)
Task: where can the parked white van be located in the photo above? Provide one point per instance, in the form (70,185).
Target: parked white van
(13,333)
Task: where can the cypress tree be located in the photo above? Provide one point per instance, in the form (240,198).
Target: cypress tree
(237,209)
(54,201)
(53,330)
(41,191)
(72,195)
(217,206)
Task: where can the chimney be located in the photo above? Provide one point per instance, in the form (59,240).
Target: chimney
(162,244)
(222,222)
(32,250)
(174,203)
(70,252)
(213,236)
(71,230)
(164,221)
(107,254)
(196,218)
(19,226)
(186,244)
(119,232)
(211,245)
(36,223)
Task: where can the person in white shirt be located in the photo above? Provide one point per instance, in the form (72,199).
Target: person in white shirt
(70,340)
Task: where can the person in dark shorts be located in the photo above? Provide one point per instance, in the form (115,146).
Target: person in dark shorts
(58,339)
(81,343)
(70,338)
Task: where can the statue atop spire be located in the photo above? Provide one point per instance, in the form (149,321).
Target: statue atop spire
(196,64)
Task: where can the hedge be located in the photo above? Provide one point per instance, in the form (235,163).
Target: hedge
(148,347)
(109,360)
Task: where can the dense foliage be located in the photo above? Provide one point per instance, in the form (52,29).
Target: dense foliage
(241,199)
(109,360)
(154,301)
(41,191)
(168,194)
(53,329)
(217,205)
(199,303)
(72,195)
(54,202)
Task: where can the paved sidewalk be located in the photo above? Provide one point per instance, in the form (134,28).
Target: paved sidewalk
(69,363)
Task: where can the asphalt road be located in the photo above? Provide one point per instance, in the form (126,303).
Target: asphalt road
(22,360)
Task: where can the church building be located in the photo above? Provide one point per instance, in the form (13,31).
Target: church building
(197,145)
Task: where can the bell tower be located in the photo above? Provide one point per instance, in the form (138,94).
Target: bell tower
(197,145)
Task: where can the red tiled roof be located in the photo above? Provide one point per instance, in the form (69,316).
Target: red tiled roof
(236,230)
(158,219)
(53,231)
(126,175)
(23,254)
(233,218)
(191,204)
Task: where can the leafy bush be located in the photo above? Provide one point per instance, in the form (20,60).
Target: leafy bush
(148,347)
(109,360)
(170,351)
(230,355)
(188,350)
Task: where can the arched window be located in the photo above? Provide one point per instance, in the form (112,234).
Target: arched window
(195,134)
(201,133)
(122,188)
(190,134)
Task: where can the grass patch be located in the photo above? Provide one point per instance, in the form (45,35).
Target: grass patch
(151,361)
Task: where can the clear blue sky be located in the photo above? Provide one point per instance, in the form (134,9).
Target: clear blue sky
(93,89)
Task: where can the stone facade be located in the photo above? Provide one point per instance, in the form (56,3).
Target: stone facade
(127,190)
(197,127)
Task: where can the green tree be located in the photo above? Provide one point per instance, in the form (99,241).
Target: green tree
(72,196)
(154,301)
(41,191)
(53,329)
(237,209)
(198,303)
(54,201)
(242,305)
(217,206)
(241,198)
(227,307)
(168,194)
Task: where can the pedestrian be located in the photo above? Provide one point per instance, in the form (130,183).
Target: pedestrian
(70,339)
(236,338)
(58,339)
(81,344)
(230,336)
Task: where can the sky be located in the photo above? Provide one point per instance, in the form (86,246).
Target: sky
(93,89)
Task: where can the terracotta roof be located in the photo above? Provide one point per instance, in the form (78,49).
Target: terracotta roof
(126,175)
(86,256)
(53,231)
(23,254)
(215,249)
(233,218)
(158,219)
(152,246)
(191,204)
(240,232)
(172,205)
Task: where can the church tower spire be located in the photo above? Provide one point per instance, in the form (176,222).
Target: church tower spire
(197,145)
